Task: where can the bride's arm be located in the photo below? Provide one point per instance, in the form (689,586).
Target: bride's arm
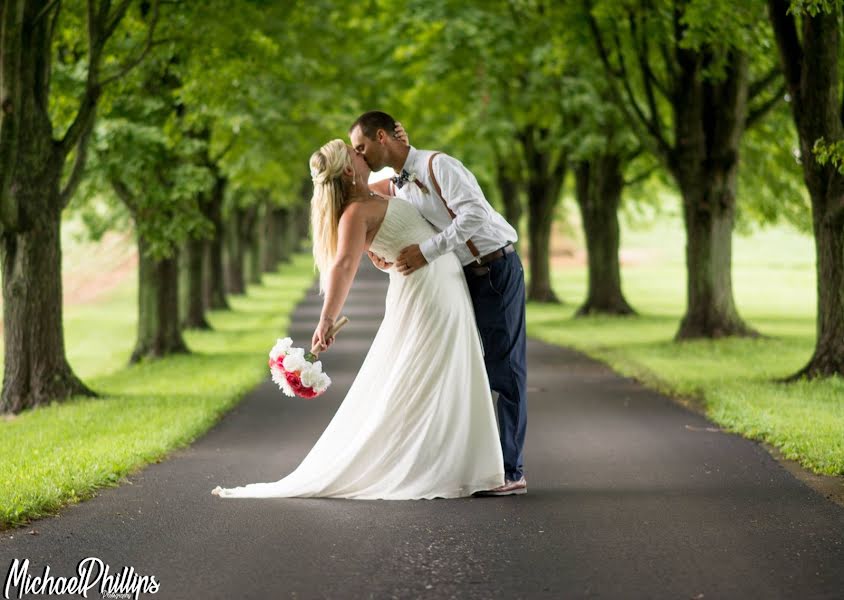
(351,242)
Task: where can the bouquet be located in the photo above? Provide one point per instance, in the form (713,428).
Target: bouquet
(299,373)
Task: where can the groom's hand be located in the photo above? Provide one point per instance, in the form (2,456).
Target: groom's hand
(410,259)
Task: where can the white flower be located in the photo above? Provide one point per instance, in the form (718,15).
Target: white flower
(323,383)
(310,378)
(281,347)
(296,352)
(317,366)
(294,362)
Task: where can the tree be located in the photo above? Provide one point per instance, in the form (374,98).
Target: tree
(36,368)
(697,61)
(140,158)
(603,148)
(599,184)
(811,63)
(241,222)
(212,208)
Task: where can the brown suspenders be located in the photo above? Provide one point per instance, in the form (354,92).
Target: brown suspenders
(472,248)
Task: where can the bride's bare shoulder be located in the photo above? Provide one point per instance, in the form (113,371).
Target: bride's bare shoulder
(353,213)
(366,213)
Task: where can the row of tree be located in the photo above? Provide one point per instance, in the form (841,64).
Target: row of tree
(191,124)
(149,116)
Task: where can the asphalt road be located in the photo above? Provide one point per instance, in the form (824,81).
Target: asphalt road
(630,496)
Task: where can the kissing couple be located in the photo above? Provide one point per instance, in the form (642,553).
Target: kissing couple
(418,420)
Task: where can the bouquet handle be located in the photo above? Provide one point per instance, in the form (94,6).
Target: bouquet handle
(332,332)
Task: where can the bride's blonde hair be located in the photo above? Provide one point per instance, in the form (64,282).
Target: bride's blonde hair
(327,203)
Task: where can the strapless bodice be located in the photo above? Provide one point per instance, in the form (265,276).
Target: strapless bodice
(403,226)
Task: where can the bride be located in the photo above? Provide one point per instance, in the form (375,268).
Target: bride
(418,421)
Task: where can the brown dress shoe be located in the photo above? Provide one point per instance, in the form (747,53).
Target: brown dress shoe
(510,488)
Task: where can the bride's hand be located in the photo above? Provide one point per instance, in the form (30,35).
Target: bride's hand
(401,134)
(378,261)
(320,339)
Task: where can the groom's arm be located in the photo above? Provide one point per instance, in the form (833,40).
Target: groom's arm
(381,187)
(465,199)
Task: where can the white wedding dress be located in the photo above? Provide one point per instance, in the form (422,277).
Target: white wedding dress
(418,421)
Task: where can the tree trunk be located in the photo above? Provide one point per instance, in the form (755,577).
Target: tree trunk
(12,47)
(253,259)
(710,121)
(236,253)
(540,211)
(303,210)
(269,256)
(213,210)
(812,74)
(301,227)
(511,199)
(282,228)
(828,356)
(253,252)
(709,216)
(194,262)
(36,371)
(248,236)
(206,274)
(159,333)
(545,181)
(599,186)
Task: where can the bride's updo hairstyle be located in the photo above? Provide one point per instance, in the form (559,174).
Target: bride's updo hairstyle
(327,203)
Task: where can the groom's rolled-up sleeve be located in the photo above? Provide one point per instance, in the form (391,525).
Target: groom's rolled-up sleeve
(465,199)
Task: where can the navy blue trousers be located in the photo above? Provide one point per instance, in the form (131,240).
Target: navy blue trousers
(498,296)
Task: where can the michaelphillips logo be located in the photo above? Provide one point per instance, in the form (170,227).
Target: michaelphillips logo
(91,572)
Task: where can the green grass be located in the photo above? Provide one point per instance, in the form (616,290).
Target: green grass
(732,380)
(62,453)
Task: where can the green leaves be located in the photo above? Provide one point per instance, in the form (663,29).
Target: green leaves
(812,7)
(830,152)
(270,82)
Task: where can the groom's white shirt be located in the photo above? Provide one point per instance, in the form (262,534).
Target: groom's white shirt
(475,218)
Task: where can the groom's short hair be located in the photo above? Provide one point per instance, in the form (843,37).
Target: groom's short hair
(370,122)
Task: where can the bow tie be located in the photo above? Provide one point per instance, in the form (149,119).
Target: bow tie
(400,179)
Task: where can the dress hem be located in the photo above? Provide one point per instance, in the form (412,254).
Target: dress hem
(466,491)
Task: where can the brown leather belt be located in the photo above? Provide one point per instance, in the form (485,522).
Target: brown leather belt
(500,253)
(479,267)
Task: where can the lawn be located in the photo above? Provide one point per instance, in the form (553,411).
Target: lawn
(733,380)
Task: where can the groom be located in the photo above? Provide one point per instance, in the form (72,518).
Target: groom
(449,197)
